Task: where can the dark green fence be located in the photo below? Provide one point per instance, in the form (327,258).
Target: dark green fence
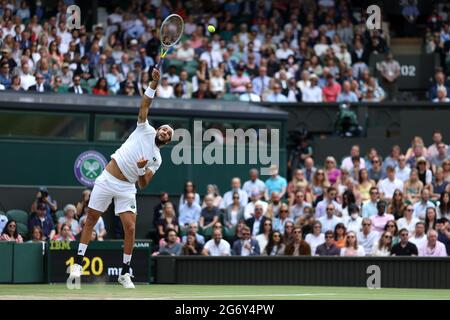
(395,272)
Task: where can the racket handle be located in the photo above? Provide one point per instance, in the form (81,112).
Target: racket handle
(160,62)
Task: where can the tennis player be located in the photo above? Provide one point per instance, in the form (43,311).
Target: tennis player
(137,160)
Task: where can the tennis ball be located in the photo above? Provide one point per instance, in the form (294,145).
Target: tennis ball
(211,28)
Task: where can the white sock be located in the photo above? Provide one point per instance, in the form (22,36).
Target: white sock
(82,249)
(126,258)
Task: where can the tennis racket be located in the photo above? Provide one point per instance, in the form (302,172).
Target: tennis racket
(170,34)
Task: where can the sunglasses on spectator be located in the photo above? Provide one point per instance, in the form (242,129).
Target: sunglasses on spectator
(283,211)
(276,235)
(329,237)
(409,210)
(404,234)
(258,209)
(388,237)
(297,232)
(246,234)
(374,192)
(235,197)
(375,161)
(12,225)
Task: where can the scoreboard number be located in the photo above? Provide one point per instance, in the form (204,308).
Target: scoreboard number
(94,266)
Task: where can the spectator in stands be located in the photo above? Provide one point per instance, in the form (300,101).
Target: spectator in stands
(228,196)
(191,246)
(388,185)
(315,238)
(442,227)
(297,209)
(298,183)
(397,205)
(438,159)
(70,212)
(347,161)
(402,172)
(433,150)
(172,247)
(216,246)
(330,220)
(309,169)
(413,187)
(99,227)
(5,75)
(439,184)
(432,247)
(376,172)
(65,234)
(346,94)
(189,211)
(331,170)
(430,219)
(298,246)
(280,220)
(239,81)
(353,221)
(384,245)
(26,77)
(340,235)
(77,88)
(264,238)
(328,248)
(275,246)
(275,183)
(246,246)
(404,247)
(276,95)
(189,187)
(274,206)
(256,222)
(443,209)
(10,233)
(193,228)
(439,83)
(209,215)
(3,221)
(312,93)
(250,207)
(234,212)
(331,90)
(419,237)
(319,184)
(381,218)
(370,207)
(213,191)
(367,236)
(44,197)
(365,185)
(408,221)
(423,204)
(101,88)
(164,90)
(254,183)
(203,91)
(416,151)
(425,174)
(322,206)
(44,221)
(351,248)
(167,218)
(390,72)
(36,235)
(249,96)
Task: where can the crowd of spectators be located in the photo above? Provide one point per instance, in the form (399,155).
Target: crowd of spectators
(276,51)
(362,205)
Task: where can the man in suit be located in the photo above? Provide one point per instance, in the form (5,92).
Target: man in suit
(83,69)
(76,88)
(41,85)
(245,246)
(438,84)
(256,223)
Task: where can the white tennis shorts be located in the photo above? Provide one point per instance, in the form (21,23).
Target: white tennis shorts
(106,188)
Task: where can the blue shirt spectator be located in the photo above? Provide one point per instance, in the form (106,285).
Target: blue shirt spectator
(189,211)
(42,220)
(276,183)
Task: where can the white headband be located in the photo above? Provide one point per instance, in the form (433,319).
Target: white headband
(169,128)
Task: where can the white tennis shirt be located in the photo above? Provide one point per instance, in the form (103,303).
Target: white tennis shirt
(140,144)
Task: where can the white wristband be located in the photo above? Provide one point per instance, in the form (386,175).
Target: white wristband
(149,92)
(142,171)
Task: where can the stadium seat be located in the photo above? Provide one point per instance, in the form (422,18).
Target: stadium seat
(59,214)
(22,229)
(19,215)
(230,97)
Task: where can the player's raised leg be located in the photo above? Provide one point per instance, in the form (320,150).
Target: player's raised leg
(129,227)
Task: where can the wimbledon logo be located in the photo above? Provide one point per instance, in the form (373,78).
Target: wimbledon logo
(88,166)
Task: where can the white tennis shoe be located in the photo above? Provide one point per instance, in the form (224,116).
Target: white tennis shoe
(75,271)
(125,281)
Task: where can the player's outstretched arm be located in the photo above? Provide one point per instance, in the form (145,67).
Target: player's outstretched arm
(148,96)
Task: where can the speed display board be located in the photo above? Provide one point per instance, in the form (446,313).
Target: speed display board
(102,262)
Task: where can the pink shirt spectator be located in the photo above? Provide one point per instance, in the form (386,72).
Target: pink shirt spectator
(330,93)
(333,175)
(378,222)
(437,251)
(5,237)
(238,83)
